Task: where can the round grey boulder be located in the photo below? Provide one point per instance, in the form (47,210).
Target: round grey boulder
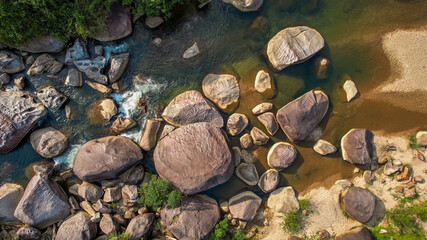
(359,203)
(48,142)
(281,155)
(358,146)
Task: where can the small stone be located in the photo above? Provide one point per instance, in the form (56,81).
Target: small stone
(151,133)
(191,51)
(73,203)
(236,155)
(422,138)
(112,194)
(259,137)
(323,147)
(397,163)
(383,160)
(68,112)
(269,121)
(119,219)
(121,125)
(234,222)
(129,215)
(74,78)
(28,233)
(236,123)
(247,173)
(264,84)
(108,225)
(305,212)
(142,210)
(116,87)
(242,225)
(224,206)
(343,183)
(88,208)
(19,83)
(51,98)
(30,60)
(99,87)
(90,192)
(350,89)
(281,155)
(356,170)
(157,42)
(77,52)
(410,193)
(389,169)
(98,50)
(153,22)
(246,141)
(100,207)
(405,175)
(399,189)
(383,231)
(418,179)
(262,108)
(368,176)
(129,194)
(324,235)
(321,67)
(96,218)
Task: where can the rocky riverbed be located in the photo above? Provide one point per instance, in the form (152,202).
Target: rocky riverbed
(247,139)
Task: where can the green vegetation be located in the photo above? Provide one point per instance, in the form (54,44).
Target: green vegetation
(404,222)
(220,232)
(113,205)
(293,219)
(157,193)
(413,142)
(115,236)
(24,20)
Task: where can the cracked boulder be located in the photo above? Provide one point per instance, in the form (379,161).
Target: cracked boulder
(93,69)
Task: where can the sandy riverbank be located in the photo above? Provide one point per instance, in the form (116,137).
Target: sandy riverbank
(407,84)
(325,208)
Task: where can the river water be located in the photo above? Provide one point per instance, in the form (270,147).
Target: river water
(234,42)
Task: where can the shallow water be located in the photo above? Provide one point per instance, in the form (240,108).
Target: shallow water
(234,42)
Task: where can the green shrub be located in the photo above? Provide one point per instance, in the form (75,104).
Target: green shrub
(220,230)
(115,236)
(293,219)
(157,193)
(153,8)
(239,236)
(413,142)
(113,205)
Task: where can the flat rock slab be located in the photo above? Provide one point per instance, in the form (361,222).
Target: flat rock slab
(323,147)
(244,206)
(106,158)
(48,142)
(358,146)
(93,69)
(191,107)
(299,117)
(44,44)
(194,219)
(194,158)
(359,203)
(294,45)
(223,90)
(18,114)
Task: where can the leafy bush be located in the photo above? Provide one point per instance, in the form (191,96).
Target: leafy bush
(413,142)
(239,236)
(115,236)
(157,193)
(113,205)
(220,230)
(153,8)
(293,219)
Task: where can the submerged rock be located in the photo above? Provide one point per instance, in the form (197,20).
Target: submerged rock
(350,90)
(10,194)
(18,114)
(246,141)
(269,180)
(244,206)
(360,233)
(99,87)
(359,203)
(323,147)
(283,200)
(118,64)
(44,44)
(358,146)
(48,142)
(246,5)
(10,63)
(191,107)
(194,219)
(4,79)
(247,173)
(106,158)
(293,45)
(77,52)
(223,90)
(299,117)
(264,84)
(153,22)
(236,123)
(19,83)
(43,203)
(139,227)
(321,67)
(281,155)
(77,227)
(262,108)
(93,69)
(74,78)
(45,63)
(191,167)
(269,121)
(102,111)
(118,24)
(51,98)
(191,51)
(122,125)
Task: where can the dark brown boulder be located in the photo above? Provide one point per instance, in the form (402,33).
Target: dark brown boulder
(359,203)
(191,107)
(44,44)
(194,219)
(117,25)
(106,158)
(357,234)
(194,158)
(139,227)
(299,117)
(18,114)
(358,146)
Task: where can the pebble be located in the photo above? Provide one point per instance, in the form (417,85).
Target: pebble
(142,210)
(383,231)
(383,160)
(356,170)
(397,163)
(418,179)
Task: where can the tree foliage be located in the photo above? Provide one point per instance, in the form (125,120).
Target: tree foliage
(157,193)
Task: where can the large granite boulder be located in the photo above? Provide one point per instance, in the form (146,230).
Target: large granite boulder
(10,194)
(10,63)
(118,64)
(77,227)
(191,107)
(299,117)
(293,45)
(106,158)
(358,146)
(93,68)
(281,155)
(118,24)
(44,44)
(283,200)
(269,180)
(76,52)
(48,142)
(43,203)
(51,98)
(194,219)
(18,114)
(194,158)
(359,203)
(244,206)
(139,227)
(223,90)
(356,234)
(246,5)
